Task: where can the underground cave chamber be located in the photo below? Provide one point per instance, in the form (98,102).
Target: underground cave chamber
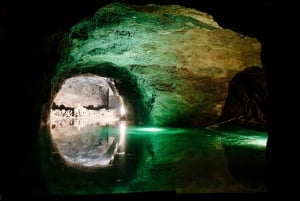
(134,108)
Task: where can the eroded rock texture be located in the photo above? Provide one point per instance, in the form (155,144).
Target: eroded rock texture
(171,64)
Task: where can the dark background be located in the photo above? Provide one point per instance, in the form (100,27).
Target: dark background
(28,59)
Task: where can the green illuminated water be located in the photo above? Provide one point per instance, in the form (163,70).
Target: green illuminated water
(150,159)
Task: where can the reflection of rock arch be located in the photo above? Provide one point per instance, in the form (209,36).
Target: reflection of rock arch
(92,145)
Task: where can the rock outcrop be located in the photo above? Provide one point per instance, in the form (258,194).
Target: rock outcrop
(171,64)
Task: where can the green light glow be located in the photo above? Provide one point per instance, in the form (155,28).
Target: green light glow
(246,138)
(258,141)
(154,130)
(151,129)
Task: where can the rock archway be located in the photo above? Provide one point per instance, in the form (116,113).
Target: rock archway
(178,60)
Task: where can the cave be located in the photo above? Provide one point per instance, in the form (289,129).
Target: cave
(173,69)
(147,98)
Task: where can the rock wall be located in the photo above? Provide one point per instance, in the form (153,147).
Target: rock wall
(171,64)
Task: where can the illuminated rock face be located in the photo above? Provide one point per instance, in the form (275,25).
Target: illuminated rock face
(171,64)
(86,91)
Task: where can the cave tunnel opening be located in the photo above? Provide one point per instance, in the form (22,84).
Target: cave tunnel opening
(246,99)
(90,97)
(88,112)
(104,86)
(83,119)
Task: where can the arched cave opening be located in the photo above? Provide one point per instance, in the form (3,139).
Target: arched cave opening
(104,86)
(81,95)
(247,98)
(80,118)
(88,111)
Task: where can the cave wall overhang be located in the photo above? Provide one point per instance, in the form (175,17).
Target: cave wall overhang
(172,64)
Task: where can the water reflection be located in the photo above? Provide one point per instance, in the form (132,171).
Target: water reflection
(88,144)
(143,159)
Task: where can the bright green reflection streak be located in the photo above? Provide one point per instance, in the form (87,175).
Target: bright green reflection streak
(259,142)
(235,137)
(151,129)
(245,138)
(133,130)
